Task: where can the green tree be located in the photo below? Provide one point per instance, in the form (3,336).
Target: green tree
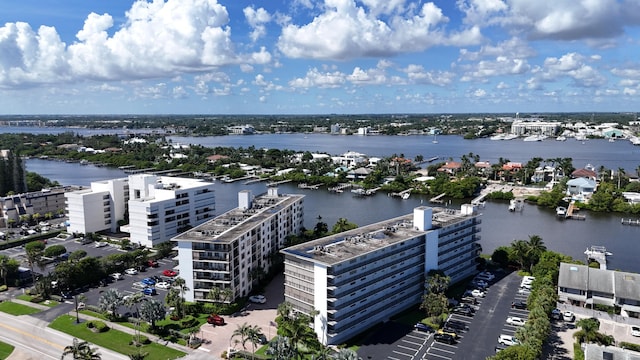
(434,304)
(280,348)
(33,251)
(343,225)
(536,248)
(346,354)
(588,330)
(80,350)
(152,311)
(110,301)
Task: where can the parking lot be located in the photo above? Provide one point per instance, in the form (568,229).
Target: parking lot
(396,341)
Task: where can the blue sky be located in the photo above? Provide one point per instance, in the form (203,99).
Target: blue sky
(318,57)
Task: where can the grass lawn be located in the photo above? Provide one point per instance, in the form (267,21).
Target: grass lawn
(5,350)
(49,303)
(17,309)
(113,339)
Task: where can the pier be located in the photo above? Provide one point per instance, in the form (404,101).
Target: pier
(438,199)
(573,209)
(307,186)
(340,187)
(632,222)
(255,180)
(404,194)
(599,254)
(276,183)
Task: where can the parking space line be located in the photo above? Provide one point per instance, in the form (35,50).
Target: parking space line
(402,354)
(411,342)
(392,358)
(438,355)
(408,348)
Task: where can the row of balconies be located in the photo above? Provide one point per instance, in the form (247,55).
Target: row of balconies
(386,261)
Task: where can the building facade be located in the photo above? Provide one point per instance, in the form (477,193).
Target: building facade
(37,202)
(158,207)
(548,128)
(230,251)
(362,277)
(584,286)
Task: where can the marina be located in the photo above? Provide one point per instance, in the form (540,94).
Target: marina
(599,254)
(633,222)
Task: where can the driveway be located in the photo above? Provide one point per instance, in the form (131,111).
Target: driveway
(262,315)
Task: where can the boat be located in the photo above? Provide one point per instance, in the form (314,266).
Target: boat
(497,137)
(561,211)
(510,136)
(516,205)
(405,196)
(84,162)
(535,138)
(561,138)
(435,138)
(595,250)
(612,139)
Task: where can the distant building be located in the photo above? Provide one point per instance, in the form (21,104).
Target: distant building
(242,129)
(36,202)
(231,250)
(548,128)
(359,278)
(159,207)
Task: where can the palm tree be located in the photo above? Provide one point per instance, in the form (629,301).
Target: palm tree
(110,301)
(621,173)
(180,286)
(536,248)
(138,355)
(280,349)
(214,294)
(519,251)
(588,330)
(152,311)
(324,353)
(246,333)
(80,350)
(4,268)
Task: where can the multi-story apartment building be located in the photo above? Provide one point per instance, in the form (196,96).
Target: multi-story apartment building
(159,207)
(548,128)
(31,203)
(230,251)
(364,276)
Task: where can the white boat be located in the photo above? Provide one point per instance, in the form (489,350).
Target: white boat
(497,137)
(535,138)
(612,139)
(561,138)
(635,140)
(581,137)
(561,211)
(516,205)
(510,136)
(435,138)
(405,196)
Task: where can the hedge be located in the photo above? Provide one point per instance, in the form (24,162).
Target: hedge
(97,326)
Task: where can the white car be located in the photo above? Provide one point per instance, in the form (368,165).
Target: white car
(525,286)
(527,280)
(477,293)
(258,299)
(163,285)
(507,340)
(516,321)
(568,316)
(524,291)
(100,244)
(116,276)
(635,330)
(131,271)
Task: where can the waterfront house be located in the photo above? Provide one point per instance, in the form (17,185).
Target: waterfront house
(582,285)
(584,173)
(215,158)
(451,167)
(581,188)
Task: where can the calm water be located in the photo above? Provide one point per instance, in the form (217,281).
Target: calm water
(499,226)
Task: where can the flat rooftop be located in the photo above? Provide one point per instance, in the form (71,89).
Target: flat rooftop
(353,243)
(228,226)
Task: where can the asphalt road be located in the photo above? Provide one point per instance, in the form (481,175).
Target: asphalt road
(35,340)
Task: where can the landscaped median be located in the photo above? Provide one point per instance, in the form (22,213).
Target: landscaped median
(112,339)
(16,309)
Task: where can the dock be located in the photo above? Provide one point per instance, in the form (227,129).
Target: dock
(307,186)
(599,254)
(438,199)
(404,194)
(571,212)
(632,222)
(276,183)
(255,180)
(340,187)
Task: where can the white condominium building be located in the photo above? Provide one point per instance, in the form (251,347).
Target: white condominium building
(548,128)
(230,251)
(159,207)
(362,277)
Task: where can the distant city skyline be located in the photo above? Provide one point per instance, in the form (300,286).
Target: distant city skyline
(319,57)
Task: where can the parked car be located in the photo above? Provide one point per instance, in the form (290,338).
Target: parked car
(163,285)
(463,311)
(116,276)
(169,273)
(149,291)
(152,263)
(516,321)
(100,244)
(556,314)
(444,338)
(528,280)
(257,299)
(519,305)
(423,327)
(480,283)
(525,286)
(635,330)
(469,300)
(451,332)
(486,275)
(568,316)
(524,291)
(215,319)
(507,340)
(500,347)
(477,293)
(131,271)
(148,281)
(457,325)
